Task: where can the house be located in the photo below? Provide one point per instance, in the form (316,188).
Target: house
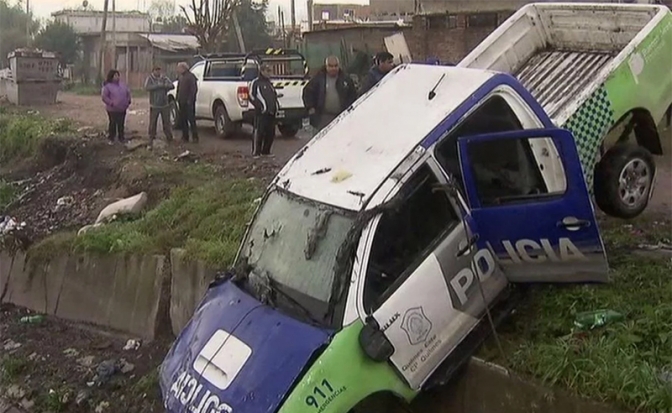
(137,53)
(91,21)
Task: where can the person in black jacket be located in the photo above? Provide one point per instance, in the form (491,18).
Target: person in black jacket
(328,94)
(187,89)
(384,63)
(265,101)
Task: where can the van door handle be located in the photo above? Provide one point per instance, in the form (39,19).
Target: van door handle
(573,223)
(464,250)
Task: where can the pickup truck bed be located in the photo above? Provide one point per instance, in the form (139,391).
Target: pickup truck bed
(563,52)
(555,78)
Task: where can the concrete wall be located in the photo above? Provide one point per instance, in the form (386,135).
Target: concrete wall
(120,292)
(92,21)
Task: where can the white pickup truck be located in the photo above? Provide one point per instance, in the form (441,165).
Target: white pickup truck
(223,89)
(601,71)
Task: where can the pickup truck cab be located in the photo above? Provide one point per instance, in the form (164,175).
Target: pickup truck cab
(377,250)
(603,71)
(223,89)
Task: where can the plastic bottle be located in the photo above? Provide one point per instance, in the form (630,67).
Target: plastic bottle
(592,319)
(32,319)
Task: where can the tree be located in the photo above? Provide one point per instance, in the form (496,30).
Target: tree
(161,10)
(13,22)
(60,38)
(209,21)
(252,18)
(174,24)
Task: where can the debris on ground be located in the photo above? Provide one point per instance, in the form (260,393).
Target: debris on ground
(10,345)
(70,352)
(132,345)
(9,224)
(590,320)
(102,406)
(32,319)
(661,246)
(186,156)
(132,205)
(15,392)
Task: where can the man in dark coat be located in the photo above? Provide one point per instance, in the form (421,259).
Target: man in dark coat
(383,64)
(187,89)
(264,98)
(328,94)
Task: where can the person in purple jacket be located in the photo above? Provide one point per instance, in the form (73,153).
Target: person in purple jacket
(117,99)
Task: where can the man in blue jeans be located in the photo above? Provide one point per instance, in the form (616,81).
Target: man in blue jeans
(158,86)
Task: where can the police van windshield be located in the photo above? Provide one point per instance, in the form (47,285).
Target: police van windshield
(295,243)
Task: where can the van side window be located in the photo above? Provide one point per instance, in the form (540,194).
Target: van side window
(494,116)
(406,235)
(506,170)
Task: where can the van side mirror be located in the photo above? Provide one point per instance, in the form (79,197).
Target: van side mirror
(373,341)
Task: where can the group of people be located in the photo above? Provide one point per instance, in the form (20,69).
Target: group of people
(326,95)
(117,99)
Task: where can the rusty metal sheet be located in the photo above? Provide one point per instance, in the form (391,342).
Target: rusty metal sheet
(555,78)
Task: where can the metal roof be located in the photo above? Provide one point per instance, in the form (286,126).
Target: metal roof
(346,163)
(172,42)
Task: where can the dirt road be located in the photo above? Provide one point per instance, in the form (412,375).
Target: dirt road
(89,110)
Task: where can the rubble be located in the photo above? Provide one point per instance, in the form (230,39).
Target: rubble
(132,205)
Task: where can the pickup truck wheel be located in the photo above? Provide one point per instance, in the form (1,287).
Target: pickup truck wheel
(223,124)
(288,130)
(173,114)
(624,181)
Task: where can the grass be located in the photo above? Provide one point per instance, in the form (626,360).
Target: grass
(624,363)
(209,221)
(21,134)
(12,367)
(7,194)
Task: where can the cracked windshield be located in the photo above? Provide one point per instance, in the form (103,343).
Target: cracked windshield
(297,244)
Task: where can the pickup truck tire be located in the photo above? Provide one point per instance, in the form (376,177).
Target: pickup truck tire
(224,126)
(174,115)
(288,130)
(624,180)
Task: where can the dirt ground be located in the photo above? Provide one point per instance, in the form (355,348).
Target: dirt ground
(88,110)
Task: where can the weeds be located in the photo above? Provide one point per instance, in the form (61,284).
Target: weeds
(12,367)
(21,134)
(208,221)
(84,89)
(624,363)
(7,194)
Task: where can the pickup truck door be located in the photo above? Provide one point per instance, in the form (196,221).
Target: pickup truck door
(541,227)
(422,276)
(198,70)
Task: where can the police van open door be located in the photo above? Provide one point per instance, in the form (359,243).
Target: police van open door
(530,205)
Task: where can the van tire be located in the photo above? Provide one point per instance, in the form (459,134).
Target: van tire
(224,127)
(624,180)
(288,130)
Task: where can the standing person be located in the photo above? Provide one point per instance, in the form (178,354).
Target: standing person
(265,101)
(328,94)
(158,86)
(187,89)
(383,64)
(117,99)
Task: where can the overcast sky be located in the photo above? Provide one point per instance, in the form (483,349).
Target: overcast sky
(44,8)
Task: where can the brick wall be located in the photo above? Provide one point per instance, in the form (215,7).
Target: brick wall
(450,37)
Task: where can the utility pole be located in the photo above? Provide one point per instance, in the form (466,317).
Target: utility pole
(103,43)
(239,32)
(310,15)
(28,19)
(292,34)
(114,33)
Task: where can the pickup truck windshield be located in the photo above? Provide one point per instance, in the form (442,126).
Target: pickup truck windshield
(295,242)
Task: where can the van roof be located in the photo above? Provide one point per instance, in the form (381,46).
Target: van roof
(345,163)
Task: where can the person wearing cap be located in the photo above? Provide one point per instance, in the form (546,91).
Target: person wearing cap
(264,98)
(158,85)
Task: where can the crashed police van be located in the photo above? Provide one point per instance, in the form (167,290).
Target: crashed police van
(377,248)
(384,251)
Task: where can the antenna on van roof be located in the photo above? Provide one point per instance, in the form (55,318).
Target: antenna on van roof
(432,93)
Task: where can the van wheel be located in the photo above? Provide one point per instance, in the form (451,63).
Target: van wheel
(624,181)
(288,130)
(224,127)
